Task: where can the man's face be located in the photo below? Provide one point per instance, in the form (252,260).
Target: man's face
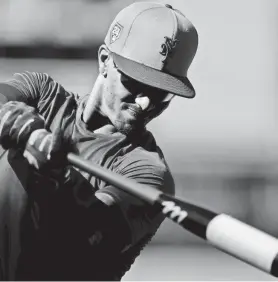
(129,104)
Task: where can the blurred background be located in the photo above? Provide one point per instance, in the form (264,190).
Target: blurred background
(221,146)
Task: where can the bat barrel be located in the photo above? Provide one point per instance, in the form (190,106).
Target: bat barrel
(225,233)
(191,217)
(244,242)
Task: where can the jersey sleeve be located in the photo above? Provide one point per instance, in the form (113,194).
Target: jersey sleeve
(142,218)
(38,90)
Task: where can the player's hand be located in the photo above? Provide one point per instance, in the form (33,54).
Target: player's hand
(46,152)
(17,122)
(40,148)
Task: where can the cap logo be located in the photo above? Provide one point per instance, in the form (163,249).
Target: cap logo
(115,33)
(167,47)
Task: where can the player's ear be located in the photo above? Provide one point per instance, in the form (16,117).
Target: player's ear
(103,57)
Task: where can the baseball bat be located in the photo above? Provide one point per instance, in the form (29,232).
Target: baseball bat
(222,231)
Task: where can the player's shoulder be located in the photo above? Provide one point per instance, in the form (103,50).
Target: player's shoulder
(147,164)
(41,80)
(148,150)
(36,77)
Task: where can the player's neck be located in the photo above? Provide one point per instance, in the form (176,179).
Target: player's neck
(92,114)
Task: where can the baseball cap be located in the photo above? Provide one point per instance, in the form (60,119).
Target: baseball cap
(154,44)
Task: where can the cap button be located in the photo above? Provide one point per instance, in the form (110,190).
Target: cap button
(168,6)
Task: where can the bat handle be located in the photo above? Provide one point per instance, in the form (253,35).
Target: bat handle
(144,192)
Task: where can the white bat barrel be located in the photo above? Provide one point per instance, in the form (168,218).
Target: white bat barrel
(244,242)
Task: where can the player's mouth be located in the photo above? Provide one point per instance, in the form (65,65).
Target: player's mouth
(134,110)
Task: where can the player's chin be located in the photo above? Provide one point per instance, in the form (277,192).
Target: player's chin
(129,128)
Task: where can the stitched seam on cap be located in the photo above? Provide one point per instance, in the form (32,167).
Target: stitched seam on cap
(135,19)
(175,19)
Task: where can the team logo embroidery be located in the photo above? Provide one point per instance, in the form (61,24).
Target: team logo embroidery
(116,32)
(167,47)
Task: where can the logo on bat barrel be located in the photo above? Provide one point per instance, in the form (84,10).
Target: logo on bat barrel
(176,213)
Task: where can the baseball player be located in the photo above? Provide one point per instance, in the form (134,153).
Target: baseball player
(59,223)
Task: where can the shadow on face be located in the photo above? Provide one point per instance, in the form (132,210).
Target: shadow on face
(128,103)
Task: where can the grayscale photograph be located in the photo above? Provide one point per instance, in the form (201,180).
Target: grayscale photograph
(138,140)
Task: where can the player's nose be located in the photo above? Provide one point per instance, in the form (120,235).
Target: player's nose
(143,101)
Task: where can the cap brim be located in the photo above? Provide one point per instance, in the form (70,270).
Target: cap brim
(180,86)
